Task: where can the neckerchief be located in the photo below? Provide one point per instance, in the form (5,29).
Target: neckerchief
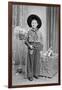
(35,31)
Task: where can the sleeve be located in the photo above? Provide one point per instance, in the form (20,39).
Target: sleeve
(27,40)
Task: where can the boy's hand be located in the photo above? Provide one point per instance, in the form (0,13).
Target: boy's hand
(31,47)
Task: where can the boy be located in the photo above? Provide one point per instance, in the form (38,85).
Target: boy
(34,47)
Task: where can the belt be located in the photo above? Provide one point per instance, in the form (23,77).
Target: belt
(34,42)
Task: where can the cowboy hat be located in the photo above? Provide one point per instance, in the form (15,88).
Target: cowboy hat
(34,17)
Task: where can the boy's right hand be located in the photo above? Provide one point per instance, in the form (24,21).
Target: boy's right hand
(31,47)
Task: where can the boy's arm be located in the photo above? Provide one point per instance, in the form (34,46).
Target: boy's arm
(26,40)
(27,43)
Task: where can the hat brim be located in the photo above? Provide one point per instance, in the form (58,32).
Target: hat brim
(32,17)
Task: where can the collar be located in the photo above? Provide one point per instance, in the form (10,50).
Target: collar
(34,30)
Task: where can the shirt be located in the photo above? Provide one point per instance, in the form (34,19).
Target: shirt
(33,36)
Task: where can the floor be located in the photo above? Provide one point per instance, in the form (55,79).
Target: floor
(19,79)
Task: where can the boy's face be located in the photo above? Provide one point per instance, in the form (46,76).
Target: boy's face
(34,24)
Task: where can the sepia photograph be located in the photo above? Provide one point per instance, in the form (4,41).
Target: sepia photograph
(34,44)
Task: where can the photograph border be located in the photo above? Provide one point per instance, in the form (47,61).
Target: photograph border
(10,44)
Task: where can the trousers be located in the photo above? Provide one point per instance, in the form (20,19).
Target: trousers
(33,62)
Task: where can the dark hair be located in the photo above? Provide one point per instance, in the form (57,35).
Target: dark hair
(34,17)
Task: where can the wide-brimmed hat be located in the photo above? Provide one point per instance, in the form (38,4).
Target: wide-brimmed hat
(31,17)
